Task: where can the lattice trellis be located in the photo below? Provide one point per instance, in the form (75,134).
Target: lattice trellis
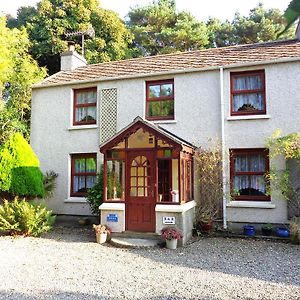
(108,114)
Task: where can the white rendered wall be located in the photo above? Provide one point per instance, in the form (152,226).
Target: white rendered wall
(197,119)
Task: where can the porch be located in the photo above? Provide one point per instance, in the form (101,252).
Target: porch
(148,180)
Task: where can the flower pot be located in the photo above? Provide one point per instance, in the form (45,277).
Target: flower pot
(206,227)
(171,244)
(249,230)
(282,232)
(266,231)
(101,237)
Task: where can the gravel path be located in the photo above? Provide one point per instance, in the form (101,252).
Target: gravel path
(67,264)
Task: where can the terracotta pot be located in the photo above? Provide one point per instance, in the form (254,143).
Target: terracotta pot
(101,237)
(171,244)
(206,227)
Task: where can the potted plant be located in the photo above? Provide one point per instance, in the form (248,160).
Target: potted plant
(171,235)
(206,220)
(249,230)
(267,229)
(101,233)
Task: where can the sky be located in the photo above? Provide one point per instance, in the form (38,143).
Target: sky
(201,9)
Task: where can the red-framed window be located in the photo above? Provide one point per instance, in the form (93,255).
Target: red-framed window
(85,106)
(160,100)
(248,93)
(83,173)
(248,169)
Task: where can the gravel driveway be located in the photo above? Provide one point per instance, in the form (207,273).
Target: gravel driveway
(67,264)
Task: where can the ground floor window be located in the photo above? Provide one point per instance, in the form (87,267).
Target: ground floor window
(248,174)
(83,173)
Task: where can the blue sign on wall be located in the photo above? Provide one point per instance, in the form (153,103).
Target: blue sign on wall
(112,218)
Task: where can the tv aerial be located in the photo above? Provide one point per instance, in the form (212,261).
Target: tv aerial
(90,32)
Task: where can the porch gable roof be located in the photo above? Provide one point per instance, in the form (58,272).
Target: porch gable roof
(156,130)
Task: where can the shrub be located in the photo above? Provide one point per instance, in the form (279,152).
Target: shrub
(95,194)
(20,174)
(25,218)
(49,182)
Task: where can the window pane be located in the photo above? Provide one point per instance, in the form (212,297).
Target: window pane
(257,163)
(115,180)
(79,165)
(161,108)
(79,184)
(91,113)
(248,102)
(252,82)
(90,181)
(154,91)
(91,165)
(80,114)
(250,185)
(167,89)
(86,97)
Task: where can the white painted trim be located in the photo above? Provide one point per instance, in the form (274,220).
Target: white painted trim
(165,122)
(251,204)
(78,127)
(175,208)
(75,200)
(112,206)
(249,117)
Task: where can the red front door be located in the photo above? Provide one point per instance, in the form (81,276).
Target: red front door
(140,200)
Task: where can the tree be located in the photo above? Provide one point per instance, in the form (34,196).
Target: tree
(20,174)
(158,28)
(291,14)
(48,24)
(18,71)
(261,25)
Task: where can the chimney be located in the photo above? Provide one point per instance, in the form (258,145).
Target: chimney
(70,60)
(298,31)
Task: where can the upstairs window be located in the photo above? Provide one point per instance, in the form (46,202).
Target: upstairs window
(83,173)
(160,100)
(85,105)
(248,95)
(248,174)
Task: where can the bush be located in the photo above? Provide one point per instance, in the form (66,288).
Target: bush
(20,174)
(20,217)
(95,194)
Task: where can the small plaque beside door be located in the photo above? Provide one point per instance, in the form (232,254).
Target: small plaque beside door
(112,218)
(169,220)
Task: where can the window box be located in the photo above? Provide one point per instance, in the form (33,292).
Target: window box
(160,100)
(248,93)
(248,168)
(85,106)
(83,173)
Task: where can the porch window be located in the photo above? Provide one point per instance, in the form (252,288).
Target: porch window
(85,102)
(115,176)
(248,95)
(160,100)
(83,173)
(248,170)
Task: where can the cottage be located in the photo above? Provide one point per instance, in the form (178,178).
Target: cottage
(142,117)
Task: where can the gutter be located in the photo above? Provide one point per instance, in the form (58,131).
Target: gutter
(223,145)
(171,72)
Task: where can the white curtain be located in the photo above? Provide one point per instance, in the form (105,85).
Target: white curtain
(249,99)
(249,163)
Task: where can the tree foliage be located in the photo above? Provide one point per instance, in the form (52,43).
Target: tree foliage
(291,14)
(18,71)
(48,24)
(261,25)
(20,174)
(158,28)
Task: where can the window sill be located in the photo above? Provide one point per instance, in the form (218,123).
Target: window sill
(78,127)
(75,200)
(251,204)
(164,122)
(249,117)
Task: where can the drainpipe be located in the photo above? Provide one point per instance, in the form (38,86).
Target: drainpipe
(223,146)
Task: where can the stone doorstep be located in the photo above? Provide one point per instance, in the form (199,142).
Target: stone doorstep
(135,240)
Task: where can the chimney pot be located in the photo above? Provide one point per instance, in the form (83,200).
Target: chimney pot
(71,46)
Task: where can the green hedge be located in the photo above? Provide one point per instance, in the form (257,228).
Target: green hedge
(19,169)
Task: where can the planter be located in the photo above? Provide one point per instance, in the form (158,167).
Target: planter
(282,232)
(249,230)
(101,238)
(266,231)
(171,244)
(206,227)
